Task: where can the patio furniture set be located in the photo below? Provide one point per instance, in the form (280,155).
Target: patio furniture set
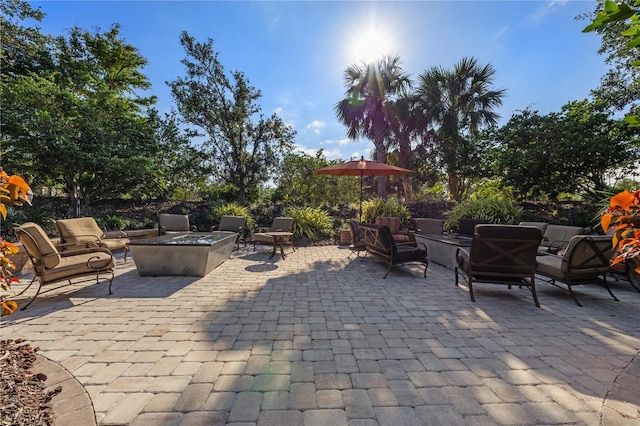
(178,249)
(512,255)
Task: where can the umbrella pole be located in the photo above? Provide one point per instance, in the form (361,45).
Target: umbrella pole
(360,216)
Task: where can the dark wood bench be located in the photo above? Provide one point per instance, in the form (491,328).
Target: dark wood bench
(379,242)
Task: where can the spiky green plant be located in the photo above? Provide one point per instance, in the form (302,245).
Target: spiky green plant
(495,210)
(231,209)
(311,223)
(379,207)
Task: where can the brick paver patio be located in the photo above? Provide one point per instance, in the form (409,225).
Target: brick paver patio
(319,339)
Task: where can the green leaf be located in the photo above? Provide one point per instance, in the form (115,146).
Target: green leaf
(632,120)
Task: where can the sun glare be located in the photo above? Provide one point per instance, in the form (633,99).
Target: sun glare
(370,44)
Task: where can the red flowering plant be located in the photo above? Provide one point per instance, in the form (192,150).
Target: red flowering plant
(14,191)
(623,215)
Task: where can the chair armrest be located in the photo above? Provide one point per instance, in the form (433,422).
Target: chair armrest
(69,247)
(460,255)
(118,234)
(93,249)
(555,246)
(412,244)
(193,228)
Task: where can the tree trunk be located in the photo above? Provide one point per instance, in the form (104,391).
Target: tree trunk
(453,186)
(242,195)
(382,184)
(408,190)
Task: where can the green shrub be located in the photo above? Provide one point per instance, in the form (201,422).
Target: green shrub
(114,222)
(311,223)
(232,209)
(495,210)
(379,207)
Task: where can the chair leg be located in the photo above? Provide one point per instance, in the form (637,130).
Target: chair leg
(470,284)
(111,282)
(606,285)
(573,295)
(426,265)
(388,270)
(34,297)
(532,287)
(27,287)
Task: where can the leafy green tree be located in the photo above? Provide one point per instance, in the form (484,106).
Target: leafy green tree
(24,48)
(300,184)
(244,147)
(573,151)
(80,123)
(619,26)
(183,168)
(367,109)
(456,104)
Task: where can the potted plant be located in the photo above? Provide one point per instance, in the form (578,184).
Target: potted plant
(345,234)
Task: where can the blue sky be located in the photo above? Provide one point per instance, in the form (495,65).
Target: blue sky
(296,52)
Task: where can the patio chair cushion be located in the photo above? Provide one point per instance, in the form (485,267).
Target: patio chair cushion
(83,230)
(80,229)
(168,222)
(467,226)
(41,247)
(429,226)
(393,223)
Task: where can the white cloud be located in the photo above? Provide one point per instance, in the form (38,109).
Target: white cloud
(502,31)
(549,7)
(316,126)
(340,142)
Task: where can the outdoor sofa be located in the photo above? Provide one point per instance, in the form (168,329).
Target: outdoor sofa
(379,242)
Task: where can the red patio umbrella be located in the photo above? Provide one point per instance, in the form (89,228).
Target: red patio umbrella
(362,168)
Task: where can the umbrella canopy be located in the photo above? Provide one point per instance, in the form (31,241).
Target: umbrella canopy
(362,168)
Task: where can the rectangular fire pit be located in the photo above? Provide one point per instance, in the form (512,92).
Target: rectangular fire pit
(192,254)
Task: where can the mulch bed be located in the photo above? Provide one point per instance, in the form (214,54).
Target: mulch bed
(24,399)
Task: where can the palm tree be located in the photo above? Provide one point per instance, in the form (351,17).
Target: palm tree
(366,110)
(405,122)
(458,103)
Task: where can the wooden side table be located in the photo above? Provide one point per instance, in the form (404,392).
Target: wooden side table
(278,241)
